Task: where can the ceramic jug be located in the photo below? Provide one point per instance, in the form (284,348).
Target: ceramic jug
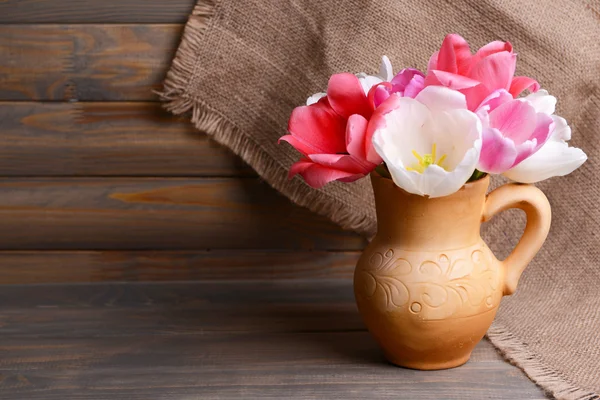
(427,286)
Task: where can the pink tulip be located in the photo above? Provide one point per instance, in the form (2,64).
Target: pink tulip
(407,83)
(476,76)
(513,130)
(331,134)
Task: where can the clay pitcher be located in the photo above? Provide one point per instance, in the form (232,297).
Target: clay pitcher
(427,286)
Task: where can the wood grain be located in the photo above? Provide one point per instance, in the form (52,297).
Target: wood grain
(27,267)
(277,339)
(107,139)
(92,11)
(341,365)
(151,214)
(84,62)
(182,308)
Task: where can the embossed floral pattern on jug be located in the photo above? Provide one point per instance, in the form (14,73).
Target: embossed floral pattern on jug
(427,286)
(434,285)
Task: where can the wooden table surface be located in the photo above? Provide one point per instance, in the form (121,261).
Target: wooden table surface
(294,339)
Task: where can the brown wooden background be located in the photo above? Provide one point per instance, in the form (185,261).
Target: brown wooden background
(98,183)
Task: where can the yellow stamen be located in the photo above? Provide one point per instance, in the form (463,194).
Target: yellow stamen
(417,155)
(426,160)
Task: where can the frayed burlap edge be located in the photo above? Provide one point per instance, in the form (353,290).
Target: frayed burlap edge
(518,354)
(179,101)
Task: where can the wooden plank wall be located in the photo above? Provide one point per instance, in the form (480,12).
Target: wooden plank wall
(98,183)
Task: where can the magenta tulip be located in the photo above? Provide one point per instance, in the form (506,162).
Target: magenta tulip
(331,134)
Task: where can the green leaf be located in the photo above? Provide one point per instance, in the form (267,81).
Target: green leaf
(477,175)
(382,170)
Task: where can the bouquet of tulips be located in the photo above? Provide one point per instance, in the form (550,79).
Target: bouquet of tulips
(468,116)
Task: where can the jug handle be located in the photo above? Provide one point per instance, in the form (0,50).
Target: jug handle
(537,209)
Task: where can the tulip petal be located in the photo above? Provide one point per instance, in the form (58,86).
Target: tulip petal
(542,102)
(414,87)
(433,178)
(495,99)
(385,69)
(515,119)
(454,180)
(454,55)
(521,83)
(299,167)
(302,146)
(342,162)
(390,153)
(491,48)
(317,175)
(433,61)
(463,171)
(378,94)
(450,80)
(544,125)
(316,129)
(315,98)
(555,158)
(346,96)
(408,116)
(524,150)
(368,81)
(356,133)
(494,72)
(561,131)
(454,132)
(440,98)
(405,78)
(498,153)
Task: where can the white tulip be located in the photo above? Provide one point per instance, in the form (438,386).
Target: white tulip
(385,75)
(430,144)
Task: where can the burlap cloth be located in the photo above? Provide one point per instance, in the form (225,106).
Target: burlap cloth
(243,66)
